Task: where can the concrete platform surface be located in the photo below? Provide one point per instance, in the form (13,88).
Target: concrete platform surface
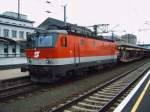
(138,99)
(143,102)
(12,73)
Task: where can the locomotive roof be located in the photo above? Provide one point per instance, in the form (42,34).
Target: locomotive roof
(71,33)
(51,24)
(54,24)
(51,31)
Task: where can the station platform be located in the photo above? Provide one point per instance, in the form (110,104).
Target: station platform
(12,73)
(138,99)
(12,61)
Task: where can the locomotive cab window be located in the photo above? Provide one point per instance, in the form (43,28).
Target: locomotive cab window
(46,40)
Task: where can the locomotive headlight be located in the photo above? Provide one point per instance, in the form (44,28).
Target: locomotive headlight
(47,61)
(29,61)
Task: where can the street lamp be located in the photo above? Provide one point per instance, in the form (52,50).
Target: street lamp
(65,15)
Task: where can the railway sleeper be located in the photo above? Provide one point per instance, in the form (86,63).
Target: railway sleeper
(116,85)
(92,101)
(80,109)
(103,96)
(98,99)
(123,83)
(112,109)
(120,85)
(84,104)
(115,89)
(110,90)
(119,100)
(67,111)
(116,104)
(104,92)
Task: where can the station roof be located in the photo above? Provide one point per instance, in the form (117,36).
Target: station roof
(13,18)
(124,44)
(20,26)
(51,23)
(129,46)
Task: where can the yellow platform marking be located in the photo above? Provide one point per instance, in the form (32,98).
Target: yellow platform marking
(140,97)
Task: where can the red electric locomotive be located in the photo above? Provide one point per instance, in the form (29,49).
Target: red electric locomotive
(51,54)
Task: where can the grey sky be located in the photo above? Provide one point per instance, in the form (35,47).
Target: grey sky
(130,14)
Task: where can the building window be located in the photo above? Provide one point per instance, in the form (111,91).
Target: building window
(14,33)
(0,32)
(22,50)
(21,34)
(13,50)
(6,33)
(6,50)
(27,33)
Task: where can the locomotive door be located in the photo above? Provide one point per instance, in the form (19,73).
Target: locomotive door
(76,52)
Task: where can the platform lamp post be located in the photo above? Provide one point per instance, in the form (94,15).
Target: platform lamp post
(18,9)
(65,17)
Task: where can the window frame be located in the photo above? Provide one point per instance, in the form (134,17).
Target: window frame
(6,32)
(14,33)
(21,34)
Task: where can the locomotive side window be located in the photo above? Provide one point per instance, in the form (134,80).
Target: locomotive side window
(64,42)
(94,43)
(81,42)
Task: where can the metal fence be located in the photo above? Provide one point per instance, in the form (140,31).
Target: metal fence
(14,55)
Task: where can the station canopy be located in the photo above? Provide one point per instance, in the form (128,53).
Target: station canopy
(7,40)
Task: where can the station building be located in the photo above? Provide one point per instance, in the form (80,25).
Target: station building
(13,32)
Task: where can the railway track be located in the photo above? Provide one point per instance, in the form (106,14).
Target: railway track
(103,97)
(14,87)
(10,83)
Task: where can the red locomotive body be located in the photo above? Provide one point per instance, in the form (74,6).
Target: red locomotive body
(52,54)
